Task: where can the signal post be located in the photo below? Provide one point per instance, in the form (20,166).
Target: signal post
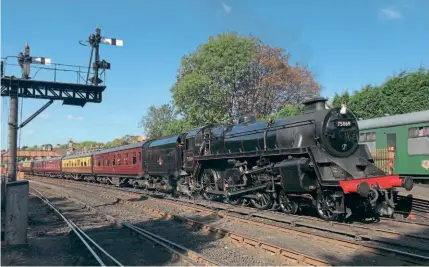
(15,193)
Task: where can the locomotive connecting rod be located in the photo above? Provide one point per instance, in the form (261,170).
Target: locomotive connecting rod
(245,191)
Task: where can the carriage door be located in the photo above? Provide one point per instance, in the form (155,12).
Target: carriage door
(391,151)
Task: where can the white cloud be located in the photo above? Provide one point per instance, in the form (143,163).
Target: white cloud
(226,8)
(389,13)
(74,118)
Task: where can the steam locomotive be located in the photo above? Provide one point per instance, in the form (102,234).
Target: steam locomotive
(291,163)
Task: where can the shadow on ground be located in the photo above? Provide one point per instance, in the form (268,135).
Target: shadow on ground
(51,243)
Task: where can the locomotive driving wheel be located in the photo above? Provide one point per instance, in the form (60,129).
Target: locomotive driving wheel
(232,179)
(287,205)
(263,201)
(209,182)
(326,206)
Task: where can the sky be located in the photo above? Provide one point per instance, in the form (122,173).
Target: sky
(347,44)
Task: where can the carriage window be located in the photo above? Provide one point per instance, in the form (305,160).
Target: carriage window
(113,160)
(98,163)
(81,163)
(418,141)
(134,158)
(84,164)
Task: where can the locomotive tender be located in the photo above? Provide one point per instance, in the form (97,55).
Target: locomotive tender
(313,159)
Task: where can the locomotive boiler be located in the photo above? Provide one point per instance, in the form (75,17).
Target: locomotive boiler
(310,159)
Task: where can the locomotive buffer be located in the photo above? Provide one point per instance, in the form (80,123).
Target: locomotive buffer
(15,193)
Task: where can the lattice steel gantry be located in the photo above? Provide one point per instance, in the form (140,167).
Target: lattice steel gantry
(77,94)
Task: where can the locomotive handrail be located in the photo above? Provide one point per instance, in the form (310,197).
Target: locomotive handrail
(300,123)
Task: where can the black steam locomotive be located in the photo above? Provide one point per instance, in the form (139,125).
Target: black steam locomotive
(310,159)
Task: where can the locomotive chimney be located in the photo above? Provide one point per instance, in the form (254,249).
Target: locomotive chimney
(315,104)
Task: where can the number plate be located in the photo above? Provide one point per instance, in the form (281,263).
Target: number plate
(343,123)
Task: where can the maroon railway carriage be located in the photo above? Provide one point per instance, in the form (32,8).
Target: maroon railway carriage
(38,166)
(117,165)
(52,167)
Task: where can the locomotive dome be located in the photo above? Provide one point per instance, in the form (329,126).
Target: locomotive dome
(246,119)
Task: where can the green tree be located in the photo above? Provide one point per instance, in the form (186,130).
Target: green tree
(289,110)
(178,126)
(209,78)
(232,75)
(336,101)
(403,93)
(157,120)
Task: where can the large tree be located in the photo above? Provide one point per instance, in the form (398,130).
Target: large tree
(402,93)
(157,120)
(276,83)
(232,75)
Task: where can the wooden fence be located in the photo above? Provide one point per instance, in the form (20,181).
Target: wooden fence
(384,158)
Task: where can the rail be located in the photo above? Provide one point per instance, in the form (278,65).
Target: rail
(79,232)
(188,255)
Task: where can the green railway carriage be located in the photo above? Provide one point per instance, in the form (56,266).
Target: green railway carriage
(399,143)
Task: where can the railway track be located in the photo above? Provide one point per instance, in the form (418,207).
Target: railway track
(371,239)
(185,255)
(83,237)
(286,256)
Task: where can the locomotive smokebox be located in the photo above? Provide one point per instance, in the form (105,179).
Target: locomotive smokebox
(314,105)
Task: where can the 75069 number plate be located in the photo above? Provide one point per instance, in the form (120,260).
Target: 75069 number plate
(343,123)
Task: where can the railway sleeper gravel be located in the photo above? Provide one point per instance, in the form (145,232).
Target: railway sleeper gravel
(191,258)
(358,233)
(287,256)
(407,258)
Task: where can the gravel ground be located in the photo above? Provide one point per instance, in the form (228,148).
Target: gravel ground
(205,245)
(49,243)
(127,247)
(209,245)
(415,246)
